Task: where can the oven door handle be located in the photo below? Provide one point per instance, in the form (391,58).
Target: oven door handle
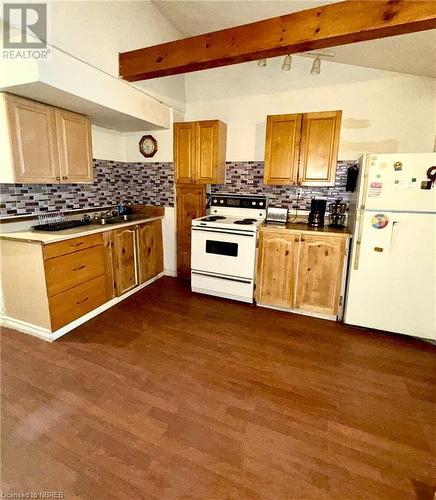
(250,235)
(239,280)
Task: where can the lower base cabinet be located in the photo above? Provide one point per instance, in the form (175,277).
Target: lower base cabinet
(137,255)
(301,272)
(124,259)
(49,286)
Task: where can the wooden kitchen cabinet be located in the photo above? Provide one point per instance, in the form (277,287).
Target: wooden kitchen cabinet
(47,145)
(185,160)
(301,272)
(200,152)
(282,149)
(190,204)
(33,142)
(319,148)
(320,267)
(276,269)
(302,149)
(48,286)
(124,259)
(74,145)
(150,250)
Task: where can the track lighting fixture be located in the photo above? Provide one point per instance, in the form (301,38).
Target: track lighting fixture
(287,63)
(261,63)
(316,66)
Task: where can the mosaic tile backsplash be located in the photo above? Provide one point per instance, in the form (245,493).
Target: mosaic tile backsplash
(247,178)
(152,184)
(139,183)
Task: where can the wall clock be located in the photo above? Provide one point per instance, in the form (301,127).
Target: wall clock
(148,146)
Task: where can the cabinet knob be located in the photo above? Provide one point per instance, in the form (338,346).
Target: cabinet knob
(302,239)
(64,177)
(297,240)
(58,178)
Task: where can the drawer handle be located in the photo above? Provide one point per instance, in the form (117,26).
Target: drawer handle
(76,244)
(79,268)
(82,301)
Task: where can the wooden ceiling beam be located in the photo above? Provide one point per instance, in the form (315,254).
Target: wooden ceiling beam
(327,26)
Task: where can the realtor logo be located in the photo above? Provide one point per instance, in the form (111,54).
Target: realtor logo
(25,25)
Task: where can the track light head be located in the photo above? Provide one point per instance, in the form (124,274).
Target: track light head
(316,67)
(287,63)
(261,63)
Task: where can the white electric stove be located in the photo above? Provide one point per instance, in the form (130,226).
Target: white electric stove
(223,247)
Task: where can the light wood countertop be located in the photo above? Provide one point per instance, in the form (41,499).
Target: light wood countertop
(303,227)
(46,237)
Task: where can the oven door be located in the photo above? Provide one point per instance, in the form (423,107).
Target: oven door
(227,253)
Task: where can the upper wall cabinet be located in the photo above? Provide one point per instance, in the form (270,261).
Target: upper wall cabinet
(282,148)
(47,145)
(200,152)
(302,149)
(74,144)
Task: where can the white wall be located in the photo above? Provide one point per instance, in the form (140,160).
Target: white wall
(96,31)
(107,144)
(383,112)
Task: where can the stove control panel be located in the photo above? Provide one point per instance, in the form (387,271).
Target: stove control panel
(234,201)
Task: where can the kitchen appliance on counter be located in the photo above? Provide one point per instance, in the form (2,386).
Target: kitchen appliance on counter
(223,247)
(275,215)
(337,211)
(317,212)
(391,282)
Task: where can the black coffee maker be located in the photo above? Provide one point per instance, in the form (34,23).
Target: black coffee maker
(317,212)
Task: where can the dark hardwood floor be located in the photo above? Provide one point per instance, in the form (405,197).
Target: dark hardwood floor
(172,395)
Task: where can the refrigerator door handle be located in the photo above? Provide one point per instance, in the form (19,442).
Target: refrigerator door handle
(359,231)
(394,231)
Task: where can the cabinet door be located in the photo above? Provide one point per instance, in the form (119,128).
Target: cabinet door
(33,141)
(211,151)
(319,148)
(75,150)
(190,204)
(320,274)
(276,268)
(282,149)
(185,152)
(124,254)
(150,251)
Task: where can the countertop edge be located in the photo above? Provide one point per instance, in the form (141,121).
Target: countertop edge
(15,236)
(290,227)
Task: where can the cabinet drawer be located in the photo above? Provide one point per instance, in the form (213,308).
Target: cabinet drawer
(73,245)
(73,269)
(74,303)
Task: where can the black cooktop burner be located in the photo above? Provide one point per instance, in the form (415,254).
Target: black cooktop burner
(213,218)
(245,222)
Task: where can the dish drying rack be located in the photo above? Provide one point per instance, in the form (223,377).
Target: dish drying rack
(56,221)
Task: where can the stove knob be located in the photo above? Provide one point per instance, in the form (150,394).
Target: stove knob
(215,201)
(260,203)
(253,203)
(221,201)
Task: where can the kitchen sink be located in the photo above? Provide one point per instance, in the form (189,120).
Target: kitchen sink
(118,219)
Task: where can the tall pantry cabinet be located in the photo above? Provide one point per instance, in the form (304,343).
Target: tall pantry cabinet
(199,160)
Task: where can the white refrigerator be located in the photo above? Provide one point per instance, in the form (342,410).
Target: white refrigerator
(392,271)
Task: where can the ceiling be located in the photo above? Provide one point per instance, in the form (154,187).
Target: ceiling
(413,53)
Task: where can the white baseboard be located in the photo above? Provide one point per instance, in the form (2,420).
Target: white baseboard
(24,327)
(45,334)
(170,272)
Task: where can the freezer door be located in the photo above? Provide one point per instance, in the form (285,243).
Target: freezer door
(392,274)
(394,182)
